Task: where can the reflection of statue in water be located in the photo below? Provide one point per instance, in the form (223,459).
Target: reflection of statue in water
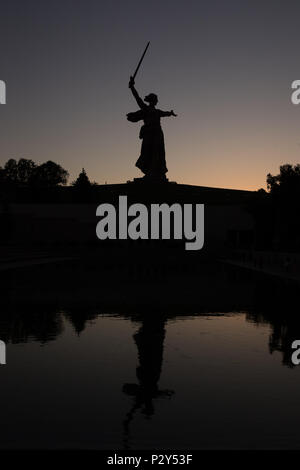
(149,340)
(152,161)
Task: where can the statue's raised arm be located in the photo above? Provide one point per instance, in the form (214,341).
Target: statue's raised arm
(137,97)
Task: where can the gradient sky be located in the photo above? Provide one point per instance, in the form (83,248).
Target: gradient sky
(225,67)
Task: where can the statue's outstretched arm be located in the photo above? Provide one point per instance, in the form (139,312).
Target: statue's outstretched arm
(167,113)
(137,97)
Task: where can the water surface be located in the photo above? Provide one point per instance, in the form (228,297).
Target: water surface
(105,365)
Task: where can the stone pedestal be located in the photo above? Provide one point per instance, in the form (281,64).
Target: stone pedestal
(150,180)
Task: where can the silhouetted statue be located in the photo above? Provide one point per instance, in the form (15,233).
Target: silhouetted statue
(152,161)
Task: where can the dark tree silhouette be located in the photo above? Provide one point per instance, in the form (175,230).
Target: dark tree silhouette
(2,175)
(49,175)
(26,172)
(19,172)
(11,170)
(26,169)
(82,188)
(82,182)
(287,183)
(284,189)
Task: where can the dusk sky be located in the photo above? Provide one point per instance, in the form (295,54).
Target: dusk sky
(225,67)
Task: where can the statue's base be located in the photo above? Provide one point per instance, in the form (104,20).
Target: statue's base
(152,180)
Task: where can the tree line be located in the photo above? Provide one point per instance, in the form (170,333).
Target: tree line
(276,211)
(26,173)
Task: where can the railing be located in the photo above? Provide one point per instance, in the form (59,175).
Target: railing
(268,261)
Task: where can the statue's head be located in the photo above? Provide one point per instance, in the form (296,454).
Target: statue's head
(151,99)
